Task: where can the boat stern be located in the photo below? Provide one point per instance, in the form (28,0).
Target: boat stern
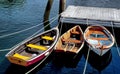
(17,61)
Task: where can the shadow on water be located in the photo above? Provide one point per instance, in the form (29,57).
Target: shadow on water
(61,60)
(98,62)
(73,62)
(55,63)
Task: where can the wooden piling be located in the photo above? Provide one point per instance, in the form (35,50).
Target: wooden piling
(62,5)
(47,13)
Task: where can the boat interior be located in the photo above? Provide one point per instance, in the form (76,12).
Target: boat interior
(71,40)
(98,36)
(35,46)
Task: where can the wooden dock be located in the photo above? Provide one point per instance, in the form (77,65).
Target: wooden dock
(91,15)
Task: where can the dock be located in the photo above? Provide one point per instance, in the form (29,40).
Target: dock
(91,16)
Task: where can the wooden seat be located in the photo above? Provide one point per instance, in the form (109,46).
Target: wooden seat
(21,56)
(37,46)
(71,40)
(74,41)
(74,50)
(74,32)
(64,40)
(99,38)
(47,37)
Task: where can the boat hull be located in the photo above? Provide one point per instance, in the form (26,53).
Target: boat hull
(33,50)
(99,51)
(21,62)
(70,43)
(96,61)
(98,39)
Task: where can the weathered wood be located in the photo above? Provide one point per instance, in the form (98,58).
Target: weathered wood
(62,5)
(94,15)
(47,13)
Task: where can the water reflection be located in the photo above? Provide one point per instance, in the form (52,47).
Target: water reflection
(10,3)
(26,15)
(57,64)
(98,62)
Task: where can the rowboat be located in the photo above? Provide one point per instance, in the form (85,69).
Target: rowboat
(99,39)
(70,43)
(34,49)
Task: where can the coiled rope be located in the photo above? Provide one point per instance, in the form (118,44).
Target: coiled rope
(115,39)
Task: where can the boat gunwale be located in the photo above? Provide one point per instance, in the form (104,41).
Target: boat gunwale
(106,47)
(22,43)
(82,43)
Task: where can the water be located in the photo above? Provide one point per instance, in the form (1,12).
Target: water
(21,14)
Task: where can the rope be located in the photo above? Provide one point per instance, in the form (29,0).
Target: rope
(44,27)
(4,50)
(84,70)
(26,29)
(29,37)
(37,65)
(115,39)
(40,62)
(86,61)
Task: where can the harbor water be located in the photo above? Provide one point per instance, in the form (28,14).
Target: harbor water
(17,15)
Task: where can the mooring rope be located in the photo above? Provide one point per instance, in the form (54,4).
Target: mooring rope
(84,70)
(27,28)
(44,27)
(41,61)
(115,39)
(37,64)
(30,36)
(4,50)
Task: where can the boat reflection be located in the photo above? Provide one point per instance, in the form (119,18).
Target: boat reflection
(98,62)
(60,60)
(73,62)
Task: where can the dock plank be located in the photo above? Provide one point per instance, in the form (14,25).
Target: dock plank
(74,14)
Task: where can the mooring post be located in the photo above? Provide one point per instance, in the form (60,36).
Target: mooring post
(46,14)
(62,5)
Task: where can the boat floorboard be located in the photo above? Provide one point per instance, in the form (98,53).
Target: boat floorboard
(26,54)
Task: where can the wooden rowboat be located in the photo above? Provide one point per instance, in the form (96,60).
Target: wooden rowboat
(34,49)
(71,42)
(99,39)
